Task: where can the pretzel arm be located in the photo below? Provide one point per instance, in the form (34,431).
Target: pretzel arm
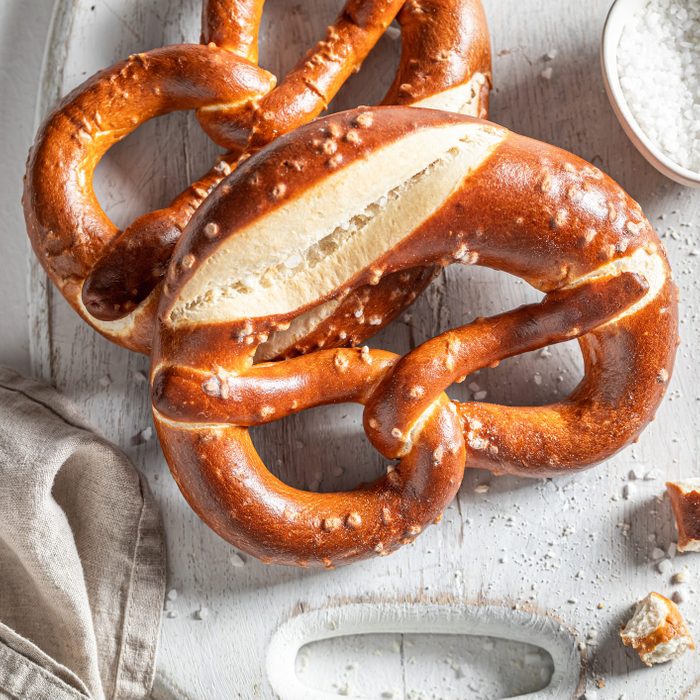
(310,86)
(268,390)
(436,364)
(626,374)
(233,26)
(136,260)
(445,57)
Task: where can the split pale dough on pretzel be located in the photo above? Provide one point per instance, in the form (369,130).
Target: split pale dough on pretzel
(282,236)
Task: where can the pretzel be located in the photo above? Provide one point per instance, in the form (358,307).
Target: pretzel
(276,240)
(112,278)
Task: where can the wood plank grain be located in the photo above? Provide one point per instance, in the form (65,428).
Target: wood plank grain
(573,546)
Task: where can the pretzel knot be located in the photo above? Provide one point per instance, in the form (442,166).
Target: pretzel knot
(428,188)
(113,278)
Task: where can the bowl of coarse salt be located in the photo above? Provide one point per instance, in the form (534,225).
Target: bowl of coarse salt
(650,55)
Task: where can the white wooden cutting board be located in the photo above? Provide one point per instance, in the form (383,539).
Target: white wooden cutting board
(554,562)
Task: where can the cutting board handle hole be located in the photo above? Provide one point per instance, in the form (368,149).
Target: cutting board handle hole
(384,650)
(449,665)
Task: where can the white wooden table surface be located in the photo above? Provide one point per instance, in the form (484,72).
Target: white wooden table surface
(554,562)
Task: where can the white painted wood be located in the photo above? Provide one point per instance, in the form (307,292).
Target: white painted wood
(23,30)
(547,641)
(571,548)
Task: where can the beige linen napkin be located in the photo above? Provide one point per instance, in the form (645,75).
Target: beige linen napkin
(82,558)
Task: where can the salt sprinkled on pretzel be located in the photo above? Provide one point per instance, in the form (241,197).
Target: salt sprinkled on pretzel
(428,188)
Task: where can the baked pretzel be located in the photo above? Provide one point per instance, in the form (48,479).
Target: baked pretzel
(111,277)
(422,188)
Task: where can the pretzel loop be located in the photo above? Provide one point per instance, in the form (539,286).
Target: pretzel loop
(323,528)
(69,230)
(421,375)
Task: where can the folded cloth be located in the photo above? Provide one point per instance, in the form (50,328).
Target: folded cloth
(82,557)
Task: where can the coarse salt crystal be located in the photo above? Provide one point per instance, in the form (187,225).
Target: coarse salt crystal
(657,553)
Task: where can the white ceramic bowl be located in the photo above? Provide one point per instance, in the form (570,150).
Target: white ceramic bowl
(620,12)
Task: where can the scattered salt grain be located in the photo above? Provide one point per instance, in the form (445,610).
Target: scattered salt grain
(657,553)
(480,395)
(482,488)
(678,597)
(236,560)
(664,566)
(105,381)
(172,594)
(547,73)
(146,434)
(202,613)
(658,61)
